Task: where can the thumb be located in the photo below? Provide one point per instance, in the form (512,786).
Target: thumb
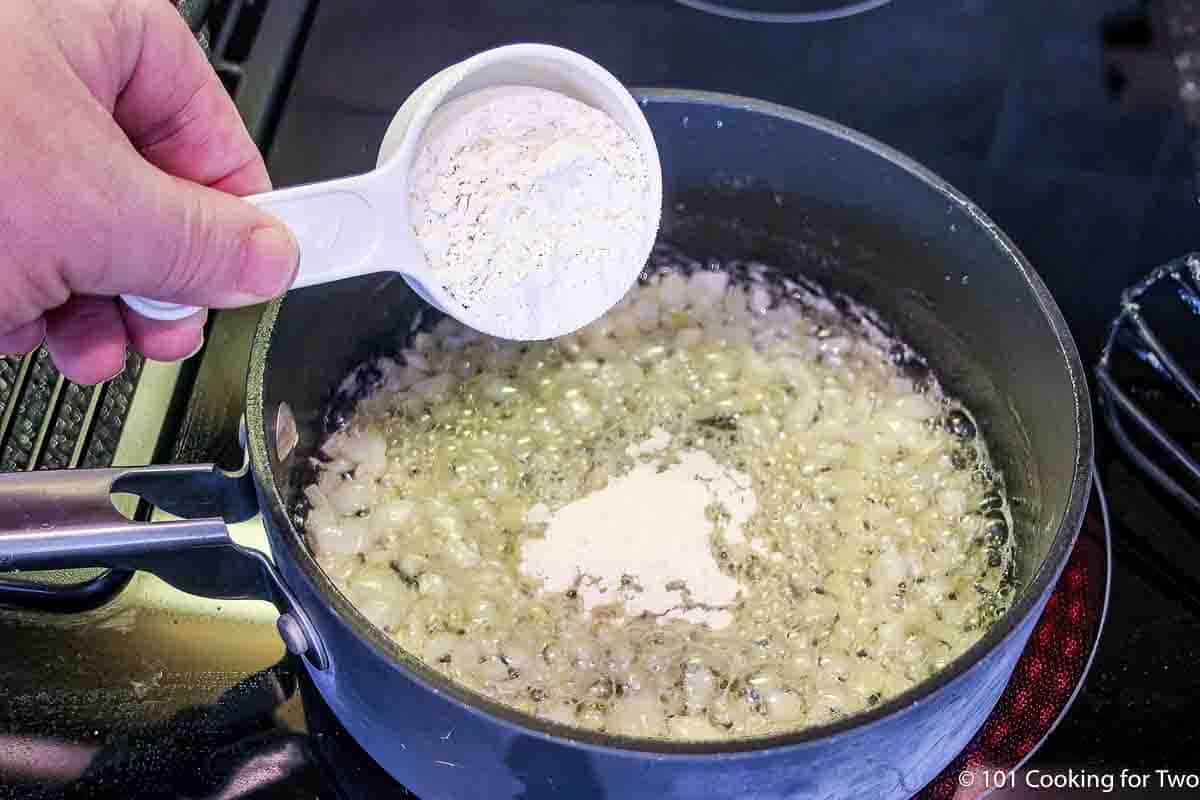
(177,241)
(165,235)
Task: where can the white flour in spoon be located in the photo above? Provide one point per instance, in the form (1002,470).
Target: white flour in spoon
(521,188)
(644,541)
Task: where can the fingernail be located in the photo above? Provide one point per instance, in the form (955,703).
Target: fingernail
(120,369)
(272,258)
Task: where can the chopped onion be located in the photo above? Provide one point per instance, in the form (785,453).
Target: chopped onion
(859,568)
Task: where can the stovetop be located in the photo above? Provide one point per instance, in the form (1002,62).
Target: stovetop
(1051,116)
(1010,100)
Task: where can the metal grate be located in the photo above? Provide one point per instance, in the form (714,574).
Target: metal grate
(54,420)
(1147,379)
(66,432)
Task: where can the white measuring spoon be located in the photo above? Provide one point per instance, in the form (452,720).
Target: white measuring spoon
(360,225)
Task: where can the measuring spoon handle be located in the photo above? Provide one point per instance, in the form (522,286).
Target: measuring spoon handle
(338,224)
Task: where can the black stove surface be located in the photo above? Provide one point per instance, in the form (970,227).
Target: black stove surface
(1007,99)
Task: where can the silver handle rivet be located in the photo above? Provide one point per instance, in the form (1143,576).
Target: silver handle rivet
(292,634)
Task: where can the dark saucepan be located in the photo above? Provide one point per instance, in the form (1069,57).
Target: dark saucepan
(744,180)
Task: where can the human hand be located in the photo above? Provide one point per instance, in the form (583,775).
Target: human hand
(120,155)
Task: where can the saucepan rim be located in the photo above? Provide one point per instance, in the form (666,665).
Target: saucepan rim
(284,532)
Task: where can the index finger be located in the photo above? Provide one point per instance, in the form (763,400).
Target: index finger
(176,111)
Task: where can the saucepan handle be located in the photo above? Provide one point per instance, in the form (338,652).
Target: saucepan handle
(62,519)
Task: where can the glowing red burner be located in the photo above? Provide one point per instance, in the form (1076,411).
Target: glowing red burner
(1046,678)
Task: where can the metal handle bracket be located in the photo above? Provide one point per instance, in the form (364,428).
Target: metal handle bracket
(63,519)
